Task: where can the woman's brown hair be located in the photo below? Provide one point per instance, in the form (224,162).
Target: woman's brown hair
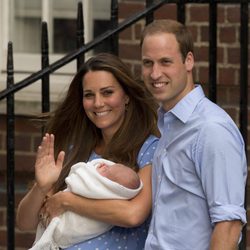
(78,136)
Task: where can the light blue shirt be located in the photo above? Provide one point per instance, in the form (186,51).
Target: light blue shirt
(199,174)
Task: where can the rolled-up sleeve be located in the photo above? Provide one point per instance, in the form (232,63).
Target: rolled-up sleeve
(222,168)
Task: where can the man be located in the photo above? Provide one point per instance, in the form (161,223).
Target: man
(199,168)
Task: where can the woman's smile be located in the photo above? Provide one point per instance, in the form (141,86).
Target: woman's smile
(102,113)
(104,101)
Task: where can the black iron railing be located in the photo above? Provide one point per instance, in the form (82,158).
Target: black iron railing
(112,36)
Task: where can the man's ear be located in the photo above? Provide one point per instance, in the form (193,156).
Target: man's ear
(189,61)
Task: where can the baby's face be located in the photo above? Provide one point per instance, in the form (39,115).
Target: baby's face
(111,172)
(120,174)
(104,170)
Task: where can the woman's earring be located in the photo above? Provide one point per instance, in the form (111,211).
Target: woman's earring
(126,106)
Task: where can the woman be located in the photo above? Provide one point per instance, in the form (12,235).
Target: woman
(106,113)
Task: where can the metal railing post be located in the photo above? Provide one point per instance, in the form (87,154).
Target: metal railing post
(244,92)
(212,51)
(45,63)
(150,15)
(10,143)
(181,14)
(114,39)
(80,34)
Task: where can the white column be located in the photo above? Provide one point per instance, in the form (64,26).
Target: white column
(88,19)
(47,16)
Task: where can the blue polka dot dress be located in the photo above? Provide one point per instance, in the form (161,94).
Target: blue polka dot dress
(118,237)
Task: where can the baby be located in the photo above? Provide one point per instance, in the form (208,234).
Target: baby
(97,179)
(121,174)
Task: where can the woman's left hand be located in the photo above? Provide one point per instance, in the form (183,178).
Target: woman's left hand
(53,206)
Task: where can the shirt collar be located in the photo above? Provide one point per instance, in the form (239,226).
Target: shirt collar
(185,107)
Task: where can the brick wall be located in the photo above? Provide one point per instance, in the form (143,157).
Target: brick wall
(28,137)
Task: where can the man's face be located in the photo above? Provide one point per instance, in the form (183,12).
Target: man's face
(163,70)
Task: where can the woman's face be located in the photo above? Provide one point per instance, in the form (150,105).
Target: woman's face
(104,101)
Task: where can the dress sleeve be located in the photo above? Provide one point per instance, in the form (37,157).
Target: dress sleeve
(147,150)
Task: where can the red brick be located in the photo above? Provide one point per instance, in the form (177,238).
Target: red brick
(25,162)
(199,13)
(138,30)
(26,124)
(194,31)
(233,55)
(137,70)
(227,76)
(205,88)
(201,54)
(233,112)
(222,95)
(3,237)
(220,54)
(130,51)
(248,141)
(24,239)
(23,142)
(24,181)
(126,34)
(2,217)
(133,1)
(36,141)
(3,198)
(204,33)
(167,11)
(203,74)
(19,194)
(2,141)
(22,162)
(227,35)
(2,161)
(221,14)
(248,154)
(128,9)
(233,13)
(234,95)
(2,122)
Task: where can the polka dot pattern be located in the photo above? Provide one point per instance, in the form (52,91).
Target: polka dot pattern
(119,238)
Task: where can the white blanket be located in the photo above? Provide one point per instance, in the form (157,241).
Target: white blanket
(70,228)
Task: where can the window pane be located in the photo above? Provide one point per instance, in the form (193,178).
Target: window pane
(27,15)
(26,26)
(64,35)
(64,25)
(101,26)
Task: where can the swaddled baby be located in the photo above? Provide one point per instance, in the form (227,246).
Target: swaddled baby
(97,179)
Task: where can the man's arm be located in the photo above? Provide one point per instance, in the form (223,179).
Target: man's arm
(226,235)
